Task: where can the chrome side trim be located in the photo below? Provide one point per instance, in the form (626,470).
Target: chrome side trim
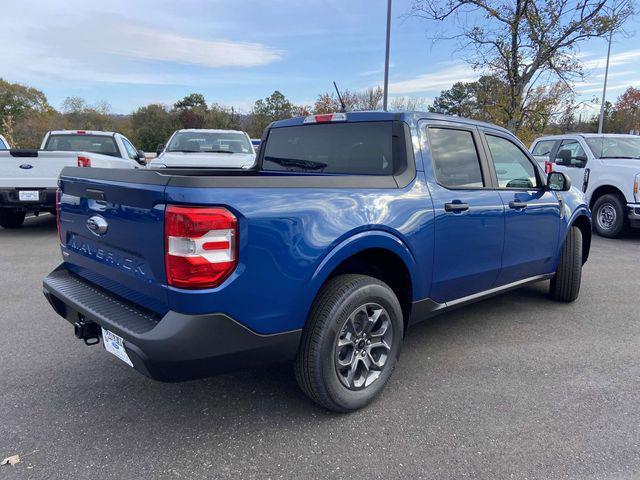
(427,308)
(497,290)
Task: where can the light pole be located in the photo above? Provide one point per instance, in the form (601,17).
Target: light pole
(604,89)
(386,59)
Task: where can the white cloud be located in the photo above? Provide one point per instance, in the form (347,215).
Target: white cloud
(611,87)
(438,80)
(622,58)
(146,43)
(115,50)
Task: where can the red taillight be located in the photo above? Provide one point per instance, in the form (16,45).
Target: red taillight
(200,246)
(548,167)
(84,161)
(58,214)
(81,132)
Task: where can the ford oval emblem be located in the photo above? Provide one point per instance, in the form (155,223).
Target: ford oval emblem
(97,225)
(26,166)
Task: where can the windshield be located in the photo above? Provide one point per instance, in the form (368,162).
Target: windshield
(615,147)
(222,142)
(106,145)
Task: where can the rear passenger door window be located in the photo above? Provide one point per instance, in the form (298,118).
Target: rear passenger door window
(513,167)
(456,162)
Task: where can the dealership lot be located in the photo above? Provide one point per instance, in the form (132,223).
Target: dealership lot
(516,386)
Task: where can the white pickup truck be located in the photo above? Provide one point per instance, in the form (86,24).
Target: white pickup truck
(29,178)
(605,167)
(206,148)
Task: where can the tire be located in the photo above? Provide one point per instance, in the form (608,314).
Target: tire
(565,286)
(609,216)
(343,305)
(11,218)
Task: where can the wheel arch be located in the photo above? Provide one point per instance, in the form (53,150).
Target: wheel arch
(583,222)
(604,190)
(375,253)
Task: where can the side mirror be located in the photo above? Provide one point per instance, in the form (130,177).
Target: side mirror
(558,182)
(581,161)
(160,148)
(563,157)
(142,160)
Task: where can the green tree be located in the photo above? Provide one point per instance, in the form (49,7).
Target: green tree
(191,111)
(151,126)
(267,110)
(18,100)
(223,117)
(193,101)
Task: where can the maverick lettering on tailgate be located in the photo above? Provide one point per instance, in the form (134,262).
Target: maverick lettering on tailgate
(128,263)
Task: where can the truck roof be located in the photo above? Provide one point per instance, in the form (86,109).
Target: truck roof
(81,132)
(377,116)
(585,135)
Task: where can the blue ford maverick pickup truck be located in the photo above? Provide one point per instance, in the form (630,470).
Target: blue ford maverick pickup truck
(350,228)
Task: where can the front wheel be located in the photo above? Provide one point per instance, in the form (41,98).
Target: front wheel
(11,218)
(609,215)
(565,286)
(351,343)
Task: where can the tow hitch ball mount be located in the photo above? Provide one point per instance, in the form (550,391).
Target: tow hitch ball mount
(87,331)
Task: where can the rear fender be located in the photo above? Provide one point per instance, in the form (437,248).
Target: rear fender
(358,243)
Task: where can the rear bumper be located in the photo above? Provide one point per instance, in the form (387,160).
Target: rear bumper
(174,347)
(9,198)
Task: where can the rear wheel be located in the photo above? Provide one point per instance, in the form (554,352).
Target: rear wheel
(11,218)
(609,215)
(565,286)
(351,343)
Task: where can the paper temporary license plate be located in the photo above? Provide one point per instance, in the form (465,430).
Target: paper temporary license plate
(114,344)
(28,195)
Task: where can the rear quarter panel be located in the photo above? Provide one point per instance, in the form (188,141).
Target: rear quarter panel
(290,239)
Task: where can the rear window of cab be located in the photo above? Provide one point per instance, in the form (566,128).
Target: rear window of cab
(103,144)
(356,148)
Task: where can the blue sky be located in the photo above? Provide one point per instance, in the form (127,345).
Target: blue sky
(131,53)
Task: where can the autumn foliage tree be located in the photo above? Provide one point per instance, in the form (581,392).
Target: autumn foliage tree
(524,42)
(628,107)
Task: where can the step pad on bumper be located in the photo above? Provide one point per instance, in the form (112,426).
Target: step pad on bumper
(91,301)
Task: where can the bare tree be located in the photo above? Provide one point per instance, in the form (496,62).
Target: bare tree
(523,41)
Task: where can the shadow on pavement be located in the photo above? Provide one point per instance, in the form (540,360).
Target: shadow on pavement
(44,223)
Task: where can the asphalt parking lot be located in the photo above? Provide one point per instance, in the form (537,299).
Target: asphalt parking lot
(514,387)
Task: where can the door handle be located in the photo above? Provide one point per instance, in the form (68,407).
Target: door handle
(516,204)
(456,207)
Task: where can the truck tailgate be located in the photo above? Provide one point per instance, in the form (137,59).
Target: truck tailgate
(33,169)
(112,232)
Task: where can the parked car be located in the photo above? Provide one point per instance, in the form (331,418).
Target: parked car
(95,148)
(200,148)
(4,145)
(351,228)
(606,168)
(256,144)
(29,178)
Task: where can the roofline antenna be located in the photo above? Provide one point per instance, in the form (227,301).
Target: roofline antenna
(344,107)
